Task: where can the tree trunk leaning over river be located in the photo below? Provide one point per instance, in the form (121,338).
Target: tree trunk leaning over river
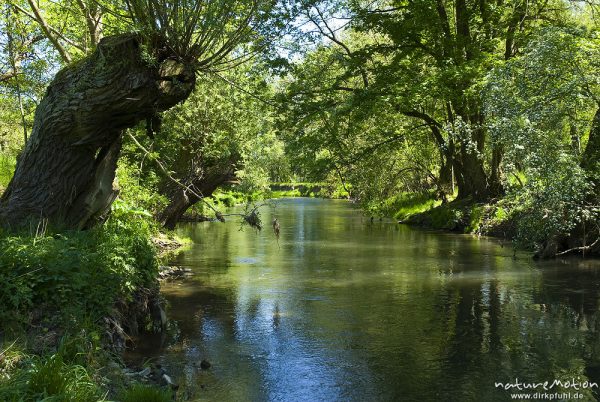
(65,173)
(204,184)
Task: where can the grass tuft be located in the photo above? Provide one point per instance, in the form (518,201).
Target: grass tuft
(145,393)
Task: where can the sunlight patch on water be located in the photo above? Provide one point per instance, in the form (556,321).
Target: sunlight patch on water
(246,260)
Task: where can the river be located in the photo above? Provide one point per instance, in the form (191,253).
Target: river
(345,309)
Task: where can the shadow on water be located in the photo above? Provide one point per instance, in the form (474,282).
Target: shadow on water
(345,309)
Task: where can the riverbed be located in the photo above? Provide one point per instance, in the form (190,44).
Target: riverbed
(340,308)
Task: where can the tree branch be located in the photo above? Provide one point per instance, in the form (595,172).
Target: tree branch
(50,32)
(330,34)
(582,248)
(92,20)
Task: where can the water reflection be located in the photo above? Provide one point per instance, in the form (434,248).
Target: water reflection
(345,309)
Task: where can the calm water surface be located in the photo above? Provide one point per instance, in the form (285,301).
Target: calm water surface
(343,309)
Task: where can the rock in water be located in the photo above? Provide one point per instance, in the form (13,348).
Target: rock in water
(205,364)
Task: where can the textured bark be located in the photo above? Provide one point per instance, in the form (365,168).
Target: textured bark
(180,200)
(471,178)
(463,30)
(65,173)
(445,177)
(495,183)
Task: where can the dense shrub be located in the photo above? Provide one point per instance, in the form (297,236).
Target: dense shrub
(72,271)
(140,189)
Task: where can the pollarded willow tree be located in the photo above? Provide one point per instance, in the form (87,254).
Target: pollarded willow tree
(65,173)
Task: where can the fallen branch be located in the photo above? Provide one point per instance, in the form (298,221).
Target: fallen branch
(582,248)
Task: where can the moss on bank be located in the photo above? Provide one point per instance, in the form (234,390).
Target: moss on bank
(496,218)
(405,205)
(464,216)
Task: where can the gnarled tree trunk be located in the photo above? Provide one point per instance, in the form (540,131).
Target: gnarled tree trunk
(470,176)
(469,167)
(65,173)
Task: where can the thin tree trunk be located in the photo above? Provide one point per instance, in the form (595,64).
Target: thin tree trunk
(15,65)
(65,173)
(22,111)
(93,20)
(495,182)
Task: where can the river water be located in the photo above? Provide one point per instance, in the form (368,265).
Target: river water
(345,309)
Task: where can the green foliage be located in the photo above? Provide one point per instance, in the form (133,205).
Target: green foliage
(476,218)
(70,280)
(500,215)
(7,167)
(139,190)
(556,205)
(284,193)
(76,272)
(445,217)
(334,192)
(226,199)
(221,133)
(304,189)
(401,96)
(458,215)
(146,393)
(541,105)
(53,377)
(11,137)
(178,24)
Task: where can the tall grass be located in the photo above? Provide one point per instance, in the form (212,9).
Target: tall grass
(49,378)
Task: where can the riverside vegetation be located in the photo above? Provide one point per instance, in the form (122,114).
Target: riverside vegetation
(120,119)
